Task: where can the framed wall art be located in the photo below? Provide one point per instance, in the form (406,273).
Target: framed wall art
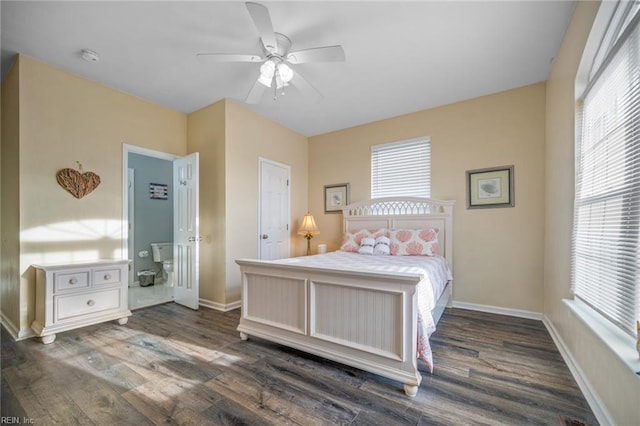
(491,187)
(158,191)
(336,197)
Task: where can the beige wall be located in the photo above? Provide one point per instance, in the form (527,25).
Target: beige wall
(206,135)
(498,253)
(230,139)
(248,137)
(10,168)
(612,381)
(64,119)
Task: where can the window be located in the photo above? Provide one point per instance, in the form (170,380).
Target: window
(606,232)
(401,169)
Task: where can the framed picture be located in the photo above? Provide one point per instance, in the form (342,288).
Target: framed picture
(158,191)
(492,187)
(336,197)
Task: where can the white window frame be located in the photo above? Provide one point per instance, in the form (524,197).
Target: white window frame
(609,19)
(387,180)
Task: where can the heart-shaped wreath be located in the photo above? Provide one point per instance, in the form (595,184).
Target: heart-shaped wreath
(77,183)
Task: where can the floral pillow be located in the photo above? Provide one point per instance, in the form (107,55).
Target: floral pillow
(352,240)
(414,242)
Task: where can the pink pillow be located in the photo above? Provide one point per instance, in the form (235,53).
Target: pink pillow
(414,242)
(352,239)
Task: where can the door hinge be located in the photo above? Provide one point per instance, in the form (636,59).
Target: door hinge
(287,182)
(287,226)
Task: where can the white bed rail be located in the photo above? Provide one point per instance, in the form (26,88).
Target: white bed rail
(363,319)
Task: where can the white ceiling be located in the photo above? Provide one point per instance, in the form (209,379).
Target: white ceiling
(401,56)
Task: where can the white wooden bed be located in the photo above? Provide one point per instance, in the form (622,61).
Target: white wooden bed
(335,313)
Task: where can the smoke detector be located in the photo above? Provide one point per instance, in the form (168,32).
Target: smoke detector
(90,55)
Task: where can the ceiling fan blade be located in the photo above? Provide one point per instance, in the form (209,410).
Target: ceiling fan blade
(262,21)
(317,54)
(256,92)
(227,57)
(305,87)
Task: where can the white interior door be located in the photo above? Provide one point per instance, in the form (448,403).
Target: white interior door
(274,235)
(131,221)
(186,239)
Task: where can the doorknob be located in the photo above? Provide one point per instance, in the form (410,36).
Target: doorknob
(265,236)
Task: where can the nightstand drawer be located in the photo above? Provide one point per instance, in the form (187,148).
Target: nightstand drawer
(106,276)
(87,303)
(77,280)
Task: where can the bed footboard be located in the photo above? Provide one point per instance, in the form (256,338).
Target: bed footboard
(365,320)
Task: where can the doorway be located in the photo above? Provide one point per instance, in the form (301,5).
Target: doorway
(160,194)
(273,205)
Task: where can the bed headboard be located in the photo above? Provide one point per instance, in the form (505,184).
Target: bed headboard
(405,213)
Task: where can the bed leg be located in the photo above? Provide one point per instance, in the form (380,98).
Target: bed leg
(411,390)
(243,336)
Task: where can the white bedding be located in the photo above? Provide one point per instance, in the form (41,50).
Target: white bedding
(434,270)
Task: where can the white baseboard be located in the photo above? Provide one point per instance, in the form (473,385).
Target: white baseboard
(9,326)
(13,330)
(26,334)
(596,405)
(498,310)
(219,306)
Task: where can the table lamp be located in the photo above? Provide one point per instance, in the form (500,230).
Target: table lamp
(308,229)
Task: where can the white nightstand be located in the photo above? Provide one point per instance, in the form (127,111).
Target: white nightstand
(74,295)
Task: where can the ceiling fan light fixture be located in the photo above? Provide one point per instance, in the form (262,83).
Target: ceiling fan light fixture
(265,81)
(267,70)
(279,83)
(276,58)
(285,73)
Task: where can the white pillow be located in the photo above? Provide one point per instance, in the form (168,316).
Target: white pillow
(366,246)
(381,246)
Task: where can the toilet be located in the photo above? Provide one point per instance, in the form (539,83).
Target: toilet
(163,253)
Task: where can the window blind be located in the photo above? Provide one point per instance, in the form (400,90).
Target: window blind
(401,169)
(606,234)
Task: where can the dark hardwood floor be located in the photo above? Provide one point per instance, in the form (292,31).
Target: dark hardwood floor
(171,365)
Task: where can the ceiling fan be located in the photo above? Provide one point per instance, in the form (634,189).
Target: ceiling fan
(276,71)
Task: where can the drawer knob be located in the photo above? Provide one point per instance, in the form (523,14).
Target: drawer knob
(73,281)
(107,277)
(91,303)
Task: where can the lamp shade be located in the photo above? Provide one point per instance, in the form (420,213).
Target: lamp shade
(266,73)
(308,226)
(285,73)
